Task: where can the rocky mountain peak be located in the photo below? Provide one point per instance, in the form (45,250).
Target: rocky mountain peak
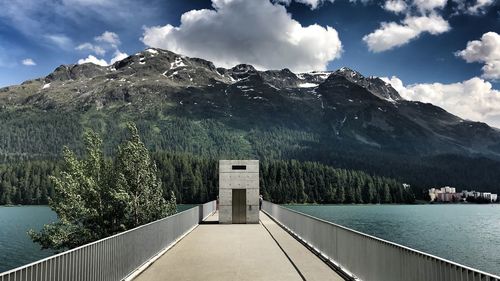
(347,72)
(243,68)
(75,71)
(242,71)
(185,71)
(374,85)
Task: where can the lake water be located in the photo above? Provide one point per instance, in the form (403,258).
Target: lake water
(467,234)
(16,248)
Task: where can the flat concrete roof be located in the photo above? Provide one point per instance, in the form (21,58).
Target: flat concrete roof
(238,252)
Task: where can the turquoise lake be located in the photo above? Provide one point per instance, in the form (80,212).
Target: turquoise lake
(467,234)
(16,248)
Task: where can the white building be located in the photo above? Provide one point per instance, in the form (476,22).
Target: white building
(494,197)
(476,194)
(490,196)
(448,189)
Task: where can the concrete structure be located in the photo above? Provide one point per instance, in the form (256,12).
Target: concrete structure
(238,191)
(238,252)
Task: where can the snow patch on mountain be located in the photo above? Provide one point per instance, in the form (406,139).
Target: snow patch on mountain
(308,85)
(177,63)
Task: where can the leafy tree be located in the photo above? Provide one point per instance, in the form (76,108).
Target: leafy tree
(95,198)
(139,193)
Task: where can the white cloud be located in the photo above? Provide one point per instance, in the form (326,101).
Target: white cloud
(391,35)
(28,62)
(94,60)
(397,84)
(479,7)
(491,70)
(118,57)
(429,5)
(255,32)
(98,50)
(106,41)
(40,20)
(108,37)
(487,51)
(396,6)
(473,99)
(421,16)
(60,40)
(422,7)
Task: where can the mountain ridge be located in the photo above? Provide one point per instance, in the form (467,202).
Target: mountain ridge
(307,79)
(335,117)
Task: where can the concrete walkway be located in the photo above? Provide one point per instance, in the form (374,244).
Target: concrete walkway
(309,265)
(237,252)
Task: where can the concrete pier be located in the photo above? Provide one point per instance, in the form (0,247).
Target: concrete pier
(261,251)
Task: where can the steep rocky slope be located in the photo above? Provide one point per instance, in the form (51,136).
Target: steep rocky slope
(181,103)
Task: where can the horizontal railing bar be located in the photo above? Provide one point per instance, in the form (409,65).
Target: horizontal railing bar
(57,266)
(91,243)
(364,235)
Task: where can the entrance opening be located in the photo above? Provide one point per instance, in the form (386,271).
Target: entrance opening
(239,206)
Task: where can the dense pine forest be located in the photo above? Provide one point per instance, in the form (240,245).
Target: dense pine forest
(194,179)
(29,139)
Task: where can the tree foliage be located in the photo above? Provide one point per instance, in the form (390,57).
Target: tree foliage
(36,136)
(95,197)
(194,179)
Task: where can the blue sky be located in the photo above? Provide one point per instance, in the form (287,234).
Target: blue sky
(420,46)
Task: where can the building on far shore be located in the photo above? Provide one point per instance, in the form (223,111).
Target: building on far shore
(492,197)
(449,194)
(444,194)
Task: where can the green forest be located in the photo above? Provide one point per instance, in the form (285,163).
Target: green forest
(194,179)
(31,144)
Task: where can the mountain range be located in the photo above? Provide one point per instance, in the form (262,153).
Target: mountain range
(340,118)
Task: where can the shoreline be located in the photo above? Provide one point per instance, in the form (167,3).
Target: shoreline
(388,204)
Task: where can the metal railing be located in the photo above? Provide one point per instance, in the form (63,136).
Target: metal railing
(207,209)
(367,257)
(113,258)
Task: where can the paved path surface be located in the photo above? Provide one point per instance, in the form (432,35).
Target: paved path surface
(237,252)
(311,267)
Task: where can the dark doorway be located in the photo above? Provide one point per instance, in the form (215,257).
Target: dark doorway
(239,206)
